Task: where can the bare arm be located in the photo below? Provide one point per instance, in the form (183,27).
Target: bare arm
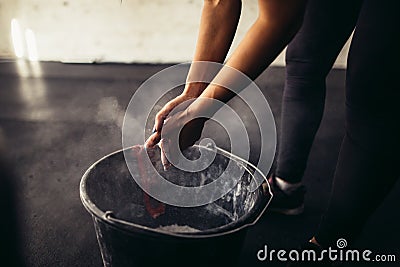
(218,23)
(219,20)
(277,23)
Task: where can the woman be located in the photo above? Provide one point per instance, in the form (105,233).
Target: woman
(366,168)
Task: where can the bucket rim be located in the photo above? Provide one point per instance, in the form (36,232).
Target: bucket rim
(107,216)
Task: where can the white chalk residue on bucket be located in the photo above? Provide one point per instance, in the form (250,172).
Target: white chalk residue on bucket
(177,228)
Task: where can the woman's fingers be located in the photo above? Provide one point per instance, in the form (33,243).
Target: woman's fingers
(164,159)
(169,120)
(170,109)
(165,111)
(178,133)
(159,120)
(153,140)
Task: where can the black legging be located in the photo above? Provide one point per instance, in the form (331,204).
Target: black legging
(326,27)
(369,158)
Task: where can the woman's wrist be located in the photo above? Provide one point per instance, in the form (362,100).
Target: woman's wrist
(194,89)
(195,109)
(202,107)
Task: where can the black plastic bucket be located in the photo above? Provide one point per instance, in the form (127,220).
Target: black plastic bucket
(129,236)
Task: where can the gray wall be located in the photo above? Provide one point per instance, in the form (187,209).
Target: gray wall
(153,31)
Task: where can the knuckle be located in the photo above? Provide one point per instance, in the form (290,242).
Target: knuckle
(160,115)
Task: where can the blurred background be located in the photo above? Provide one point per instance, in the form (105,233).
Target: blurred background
(109,31)
(67,72)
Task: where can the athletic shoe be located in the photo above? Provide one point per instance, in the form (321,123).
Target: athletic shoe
(287,202)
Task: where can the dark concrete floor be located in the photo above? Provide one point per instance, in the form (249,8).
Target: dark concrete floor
(55,129)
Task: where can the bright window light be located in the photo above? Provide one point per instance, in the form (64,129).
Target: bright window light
(17,38)
(31,45)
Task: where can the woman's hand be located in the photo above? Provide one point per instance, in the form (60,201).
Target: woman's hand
(174,130)
(166,110)
(180,130)
(192,90)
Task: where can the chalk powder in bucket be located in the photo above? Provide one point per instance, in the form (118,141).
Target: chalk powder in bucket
(227,209)
(178,228)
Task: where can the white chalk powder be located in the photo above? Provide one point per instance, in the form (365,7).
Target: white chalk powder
(178,228)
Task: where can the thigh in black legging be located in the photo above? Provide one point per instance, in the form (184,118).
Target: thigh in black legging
(369,158)
(309,57)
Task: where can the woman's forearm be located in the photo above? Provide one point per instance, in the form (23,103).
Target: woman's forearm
(218,25)
(275,26)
